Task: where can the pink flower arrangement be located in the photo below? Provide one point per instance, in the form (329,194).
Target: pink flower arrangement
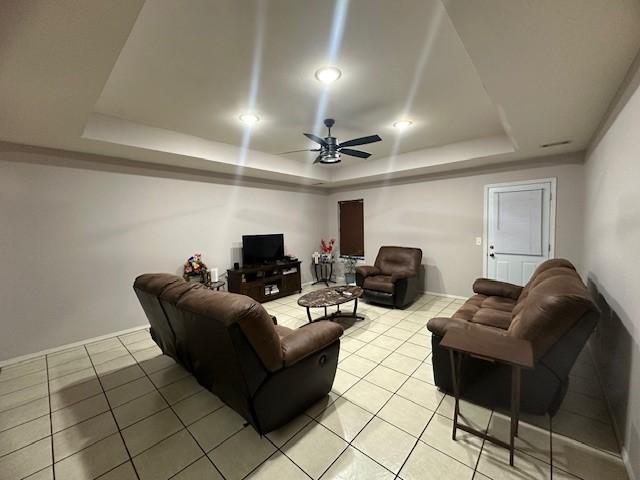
(194,265)
(327,247)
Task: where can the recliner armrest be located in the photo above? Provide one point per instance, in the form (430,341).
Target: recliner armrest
(367,270)
(309,339)
(440,325)
(494,288)
(402,275)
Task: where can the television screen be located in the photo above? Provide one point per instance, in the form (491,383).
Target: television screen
(258,249)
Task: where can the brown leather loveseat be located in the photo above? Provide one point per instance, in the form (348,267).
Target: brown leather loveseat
(553,311)
(267,373)
(394,279)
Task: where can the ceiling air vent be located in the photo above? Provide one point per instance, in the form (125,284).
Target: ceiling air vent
(555,144)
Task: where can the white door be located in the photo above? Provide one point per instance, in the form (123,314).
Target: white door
(520,226)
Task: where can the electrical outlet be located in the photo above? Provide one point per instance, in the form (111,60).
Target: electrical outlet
(478,241)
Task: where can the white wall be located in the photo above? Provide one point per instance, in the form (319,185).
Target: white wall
(444,215)
(72,241)
(612,263)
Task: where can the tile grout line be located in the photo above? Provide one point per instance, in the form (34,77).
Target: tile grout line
(475,469)
(314,419)
(177,416)
(135,470)
(102,413)
(22,424)
(53,470)
(397,475)
(375,415)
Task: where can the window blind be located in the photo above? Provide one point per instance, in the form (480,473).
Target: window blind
(351,224)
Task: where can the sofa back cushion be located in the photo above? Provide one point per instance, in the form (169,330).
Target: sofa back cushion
(551,303)
(147,288)
(169,299)
(232,311)
(547,269)
(392,260)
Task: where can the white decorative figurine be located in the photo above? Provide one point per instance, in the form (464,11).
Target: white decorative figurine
(316,257)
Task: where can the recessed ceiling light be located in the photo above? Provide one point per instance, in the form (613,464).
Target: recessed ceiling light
(328,75)
(249,118)
(402,124)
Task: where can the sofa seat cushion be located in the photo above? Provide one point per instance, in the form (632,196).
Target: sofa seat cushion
(492,318)
(380,283)
(469,308)
(503,304)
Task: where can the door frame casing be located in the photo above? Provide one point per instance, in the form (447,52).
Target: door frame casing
(552,216)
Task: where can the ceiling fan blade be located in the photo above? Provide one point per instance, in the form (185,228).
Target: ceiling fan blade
(317,160)
(316,139)
(304,150)
(354,153)
(360,141)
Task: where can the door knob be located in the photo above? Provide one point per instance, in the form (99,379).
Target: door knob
(492,255)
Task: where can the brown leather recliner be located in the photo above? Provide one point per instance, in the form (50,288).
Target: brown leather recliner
(267,373)
(394,279)
(554,312)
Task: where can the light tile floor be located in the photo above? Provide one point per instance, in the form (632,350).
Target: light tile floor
(118,409)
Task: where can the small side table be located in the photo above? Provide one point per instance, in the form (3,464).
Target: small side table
(215,285)
(488,346)
(324,272)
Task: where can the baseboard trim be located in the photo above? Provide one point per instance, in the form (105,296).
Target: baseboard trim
(447,295)
(627,465)
(29,356)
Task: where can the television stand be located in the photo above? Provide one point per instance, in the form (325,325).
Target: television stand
(266,282)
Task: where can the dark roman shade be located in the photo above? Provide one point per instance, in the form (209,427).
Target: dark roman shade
(351,223)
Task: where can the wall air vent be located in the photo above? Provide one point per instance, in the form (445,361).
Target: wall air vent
(555,144)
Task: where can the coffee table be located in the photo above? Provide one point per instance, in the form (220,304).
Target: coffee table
(329,297)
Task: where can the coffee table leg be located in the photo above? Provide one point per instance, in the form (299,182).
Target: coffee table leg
(309,314)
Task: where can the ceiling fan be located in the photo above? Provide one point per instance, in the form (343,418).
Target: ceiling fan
(330,150)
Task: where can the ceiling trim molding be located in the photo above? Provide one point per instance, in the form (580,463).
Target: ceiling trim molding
(29,154)
(115,130)
(627,88)
(467,169)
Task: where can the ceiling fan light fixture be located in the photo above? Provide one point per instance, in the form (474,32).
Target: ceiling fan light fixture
(328,74)
(333,157)
(249,118)
(402,124)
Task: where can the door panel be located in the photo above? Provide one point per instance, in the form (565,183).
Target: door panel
(518,224)
(502,271)
(518,230)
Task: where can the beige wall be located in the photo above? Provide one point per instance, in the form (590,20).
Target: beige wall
(612,263)
(443,216)
(75,234)
(72,240)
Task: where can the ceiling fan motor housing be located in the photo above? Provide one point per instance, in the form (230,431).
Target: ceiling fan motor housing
(330,150)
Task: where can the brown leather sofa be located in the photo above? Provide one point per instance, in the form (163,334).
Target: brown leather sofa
(394,279)
(554,312)
(267,373)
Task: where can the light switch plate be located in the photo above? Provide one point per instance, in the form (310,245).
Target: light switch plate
(478,241)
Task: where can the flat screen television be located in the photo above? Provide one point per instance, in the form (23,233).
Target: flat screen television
(260,249)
